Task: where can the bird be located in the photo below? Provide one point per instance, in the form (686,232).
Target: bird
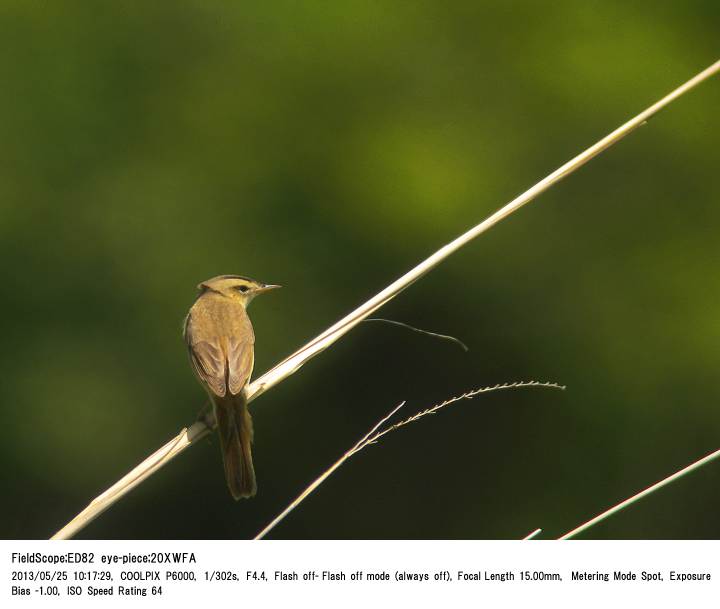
(221,344)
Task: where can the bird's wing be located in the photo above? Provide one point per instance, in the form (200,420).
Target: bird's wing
(207,359)
(221,363)
(240,360)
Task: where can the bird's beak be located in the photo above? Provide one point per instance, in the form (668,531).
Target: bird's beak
(267,287)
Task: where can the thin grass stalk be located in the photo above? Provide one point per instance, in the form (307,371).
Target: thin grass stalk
(374,435)
(641,495)
(532,535)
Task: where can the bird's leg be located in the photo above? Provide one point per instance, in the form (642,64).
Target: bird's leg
(206,416)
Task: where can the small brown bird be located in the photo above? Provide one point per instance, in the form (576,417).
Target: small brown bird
(221,343)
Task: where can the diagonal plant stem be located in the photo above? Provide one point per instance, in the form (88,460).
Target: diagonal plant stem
(532,535)
(377,432)
(291,364)
(636,497)
(325,475)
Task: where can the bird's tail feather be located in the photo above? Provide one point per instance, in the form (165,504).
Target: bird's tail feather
(236,433)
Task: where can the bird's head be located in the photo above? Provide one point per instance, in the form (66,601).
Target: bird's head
(238,288)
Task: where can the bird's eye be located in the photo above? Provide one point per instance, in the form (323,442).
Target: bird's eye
(242,288)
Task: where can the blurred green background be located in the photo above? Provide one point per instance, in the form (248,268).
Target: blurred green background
(329,147)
